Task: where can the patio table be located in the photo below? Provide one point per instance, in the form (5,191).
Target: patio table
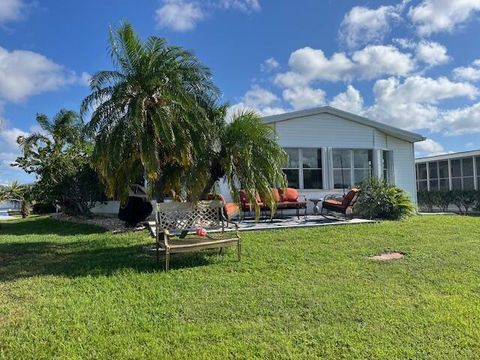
(316,208)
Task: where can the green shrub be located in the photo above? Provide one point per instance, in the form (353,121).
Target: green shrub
(427,199)
(443,199)
(380,200)
(465,200)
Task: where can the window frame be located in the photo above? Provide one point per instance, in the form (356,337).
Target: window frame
(352,168)
(300,168)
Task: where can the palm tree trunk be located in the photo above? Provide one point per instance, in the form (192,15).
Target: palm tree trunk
(208,188)
(159,190)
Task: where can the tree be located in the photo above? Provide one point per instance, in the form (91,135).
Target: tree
(146,112)
(16,192)
(60,157)
(243,151)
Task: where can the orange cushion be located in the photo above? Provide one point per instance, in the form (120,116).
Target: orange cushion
(290,194)
(231,209)
(276,195)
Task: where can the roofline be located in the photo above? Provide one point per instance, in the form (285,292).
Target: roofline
(455,155)
(390,130)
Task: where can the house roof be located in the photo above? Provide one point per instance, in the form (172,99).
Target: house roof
(387,129)
(447,156)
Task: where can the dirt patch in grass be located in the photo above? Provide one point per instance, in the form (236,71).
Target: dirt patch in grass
(387,256)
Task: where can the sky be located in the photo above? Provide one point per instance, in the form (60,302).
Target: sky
(411,64)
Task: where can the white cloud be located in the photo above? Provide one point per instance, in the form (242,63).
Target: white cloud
(308,65)
(462,121)
(258,99)
(431,53)
(433,16)
(376,60)
(412,104)
(471,73)
(350,100)
(304,97)
(11,10)
(25,73)
(242,5)
(184,15)
(9,150)
(179,15)
(362,25)
(269,65)
(429,147)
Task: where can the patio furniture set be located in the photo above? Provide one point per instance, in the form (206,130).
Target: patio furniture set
(189,227)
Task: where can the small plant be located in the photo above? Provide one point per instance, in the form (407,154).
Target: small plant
(380,200)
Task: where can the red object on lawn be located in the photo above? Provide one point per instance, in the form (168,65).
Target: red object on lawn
(201,232)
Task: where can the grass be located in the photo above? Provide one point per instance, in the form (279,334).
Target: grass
(71,291)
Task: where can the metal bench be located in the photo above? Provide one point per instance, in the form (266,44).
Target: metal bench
(177,222)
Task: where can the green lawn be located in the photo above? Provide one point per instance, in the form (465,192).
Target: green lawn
(74,292)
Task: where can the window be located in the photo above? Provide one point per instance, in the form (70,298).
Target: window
(422,176)
(477,160)
(443,175)
(467,174)
(342,164)
(312,168)
(362,162)
(351,167)
(292,171)
(386,166)
(433,174)
(304,168)
(456,169)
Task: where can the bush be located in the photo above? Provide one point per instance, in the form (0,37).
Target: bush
(443,199)
(42,208)
(427,199)
(380,200)
(465,200)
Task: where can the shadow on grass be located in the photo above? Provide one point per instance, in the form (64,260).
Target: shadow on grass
(46,226)
(23,260)
(93,257)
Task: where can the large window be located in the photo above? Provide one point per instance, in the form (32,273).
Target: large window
(422,177)
(443,175)
(433,173)
(351,167)
(292,171)
(342,165)
(461,174)
(304,169)
(312,168)
(477,160)
(386,155)
(467,174)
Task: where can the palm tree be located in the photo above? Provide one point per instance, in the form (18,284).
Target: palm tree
(16,192)
(66,127)
(146,111)
(243,151)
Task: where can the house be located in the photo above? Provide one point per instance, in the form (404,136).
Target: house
(331,150)
(455,171)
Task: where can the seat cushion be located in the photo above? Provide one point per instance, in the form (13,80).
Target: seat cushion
(291,205)
(289,195)
(231,209)
(333,202)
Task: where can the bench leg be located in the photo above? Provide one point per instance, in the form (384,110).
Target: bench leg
(221,250)
(239,251)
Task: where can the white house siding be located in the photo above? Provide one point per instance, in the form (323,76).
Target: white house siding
(404,165)
(324,130)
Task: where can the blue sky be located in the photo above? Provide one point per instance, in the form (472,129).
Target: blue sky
(412,64)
